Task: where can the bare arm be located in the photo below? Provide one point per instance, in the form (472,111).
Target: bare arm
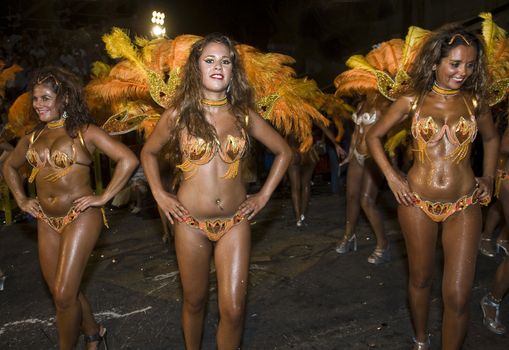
(491,143)
(396,113)
(10,171)
(504,143)
(328,133)
(168,202)
(125,161)
(263,132)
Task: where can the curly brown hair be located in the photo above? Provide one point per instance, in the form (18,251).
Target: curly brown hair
(70,98)
(437,46)
(189,94)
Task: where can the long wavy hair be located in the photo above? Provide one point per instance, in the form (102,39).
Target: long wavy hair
(69,96)
(189,94)
(438,46)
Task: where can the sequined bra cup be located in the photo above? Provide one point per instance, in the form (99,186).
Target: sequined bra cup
(196,151)
(428,133)
(364,119)
(60,161)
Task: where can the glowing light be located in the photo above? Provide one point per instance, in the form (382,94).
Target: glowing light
(158,20)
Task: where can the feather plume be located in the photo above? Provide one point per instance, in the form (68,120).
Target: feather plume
(492,34)
(100,70)
(6,75)
(20,119)
(413,41)
(355,81)
(387,56)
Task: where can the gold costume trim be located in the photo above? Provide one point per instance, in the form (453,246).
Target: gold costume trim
(501,176)
(215,228)
(58,223)
(440,211)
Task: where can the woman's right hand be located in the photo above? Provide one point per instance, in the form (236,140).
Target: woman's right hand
(347,159)
(399,187)
(30,206)
(171,207)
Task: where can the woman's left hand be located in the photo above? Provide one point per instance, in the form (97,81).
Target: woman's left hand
(83,203)
(485,186)
(252,205)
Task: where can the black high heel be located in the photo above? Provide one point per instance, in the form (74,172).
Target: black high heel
(99,337)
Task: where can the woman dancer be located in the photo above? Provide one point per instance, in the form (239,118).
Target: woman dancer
(207,127)
(69,218)
(448,108)
(363,193)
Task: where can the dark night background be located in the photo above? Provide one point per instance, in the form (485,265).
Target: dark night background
(320,34)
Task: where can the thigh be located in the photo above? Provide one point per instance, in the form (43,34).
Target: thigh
(49,250)
(504,198)
(193,251)
(231,257)
(420,233)
(76,244)
(460,239)
(371,179)
(353,185)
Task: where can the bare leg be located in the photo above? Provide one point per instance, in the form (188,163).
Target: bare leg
(494,217)
(307,169)
(193,255)
(232,264)
(371,182)
(63,258)
(353,187)
(295,183)
(460,239)
(420,234)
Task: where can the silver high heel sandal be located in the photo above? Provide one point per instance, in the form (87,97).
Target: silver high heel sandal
(421,345)
(347,244)
(487,248)
(493,324)
(380,256)
(99,337)
(504,245)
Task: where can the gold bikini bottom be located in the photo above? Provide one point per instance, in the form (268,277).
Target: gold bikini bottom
(440,211)
(58,223)
(215,228)
(501,176)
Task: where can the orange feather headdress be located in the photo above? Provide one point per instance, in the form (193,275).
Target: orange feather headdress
(152,71)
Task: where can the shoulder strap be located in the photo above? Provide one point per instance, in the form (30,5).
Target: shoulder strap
(83,145)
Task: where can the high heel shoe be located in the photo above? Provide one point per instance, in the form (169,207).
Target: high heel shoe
(493,324)
(504,245)
(487,248)
(380,256)
(421,345)
(99,337)
(300,222)
(347,244)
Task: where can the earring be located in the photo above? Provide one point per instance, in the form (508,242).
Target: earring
(65,115)
(228,88)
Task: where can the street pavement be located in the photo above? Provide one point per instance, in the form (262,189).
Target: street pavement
(302,294)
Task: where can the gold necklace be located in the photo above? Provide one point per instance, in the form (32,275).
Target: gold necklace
(442,91)
(214,103)
(55,124)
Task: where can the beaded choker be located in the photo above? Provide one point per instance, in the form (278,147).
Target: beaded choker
(54,124)
(442,91)
(214,103)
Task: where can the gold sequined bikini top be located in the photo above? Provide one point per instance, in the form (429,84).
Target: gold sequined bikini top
(427,132)
(56,159)
(196,151)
